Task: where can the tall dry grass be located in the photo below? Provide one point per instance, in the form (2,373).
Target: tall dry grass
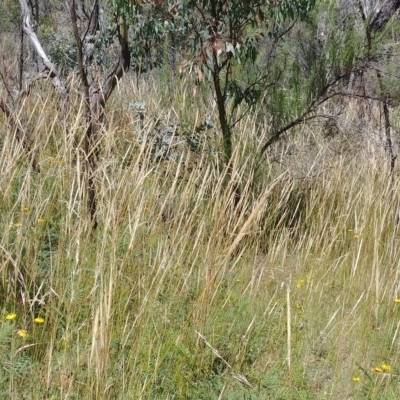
(184,291)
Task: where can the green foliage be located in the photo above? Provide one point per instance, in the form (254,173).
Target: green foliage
(234,29)
(124,7)
(224,40)
(9,16)
(171,142)
(149,28)
(314,63)
(15,365)
(63,53)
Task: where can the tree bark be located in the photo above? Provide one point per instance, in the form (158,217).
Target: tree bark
(36,27)
(223,120)
(381,18)
(21,57)
(377,23)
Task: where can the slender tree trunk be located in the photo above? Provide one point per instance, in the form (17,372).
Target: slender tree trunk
(386,115)
(226,129)
(95,125)
(95,94)
(172,54)
(84,58)
(220,95)
(35,29)
(376,24)
(389,143)
(222,114)
(21,56)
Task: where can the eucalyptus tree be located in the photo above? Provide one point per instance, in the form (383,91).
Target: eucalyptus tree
(224,40)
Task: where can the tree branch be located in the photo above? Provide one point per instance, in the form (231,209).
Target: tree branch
(78,41)
(123,62)
(382,17)
(53,73)
(319,100)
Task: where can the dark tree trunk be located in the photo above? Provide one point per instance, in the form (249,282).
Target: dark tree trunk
(172,54)
(377,23)
(382,17)
(223,119)
(386,115)
(95,94)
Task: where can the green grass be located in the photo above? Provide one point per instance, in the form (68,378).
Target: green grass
(180,293)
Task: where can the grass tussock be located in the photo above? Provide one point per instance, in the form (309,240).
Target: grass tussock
(187,290)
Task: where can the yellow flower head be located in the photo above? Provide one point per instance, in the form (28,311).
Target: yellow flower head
(26,209)
(39,320)
(11,316)
(299,306)
(397,300)
(300,283)
(376,370)
(22,333)
(385,368)
(356,379)
(40,221)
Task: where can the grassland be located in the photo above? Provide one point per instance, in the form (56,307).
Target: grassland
(186,291)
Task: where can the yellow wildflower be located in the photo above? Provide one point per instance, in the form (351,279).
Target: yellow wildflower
(376,370)
(40,221)
(397,300)
(300,283)
(26,209)
(23,333)
(11,316)
(39,320)
(385,368)
(17,225)
(356,379)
